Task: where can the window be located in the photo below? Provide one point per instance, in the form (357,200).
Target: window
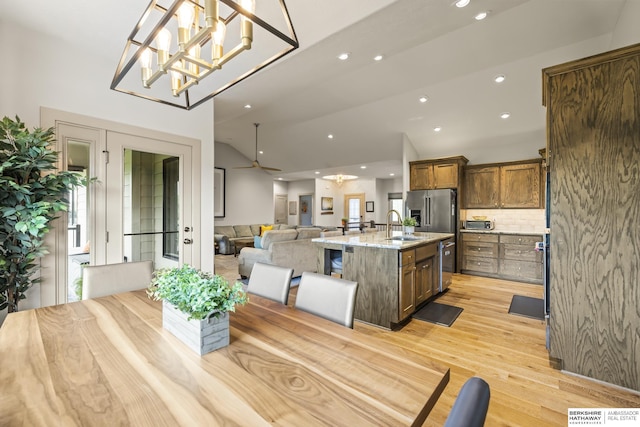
(395,202)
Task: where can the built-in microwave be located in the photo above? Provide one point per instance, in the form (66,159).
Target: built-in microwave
(478,225)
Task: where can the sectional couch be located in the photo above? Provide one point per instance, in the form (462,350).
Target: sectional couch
(291,248)
(226,235)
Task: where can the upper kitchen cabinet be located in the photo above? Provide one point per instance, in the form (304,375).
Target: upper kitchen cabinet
(436,173)
(482,187)
(504,185)
(593,153)
(520,185)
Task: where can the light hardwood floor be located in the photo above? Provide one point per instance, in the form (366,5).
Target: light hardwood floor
(508,351)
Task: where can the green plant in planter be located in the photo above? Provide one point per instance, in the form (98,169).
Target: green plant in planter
(409,222)
(32,194)
(195,292)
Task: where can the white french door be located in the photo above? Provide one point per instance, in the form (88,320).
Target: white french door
(140,197)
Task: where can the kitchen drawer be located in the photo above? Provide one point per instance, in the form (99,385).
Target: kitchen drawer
(520,253)
(426,251)
(480,249)
(480,237)
(483,265)
(407,257)
(521,270)
(519,239)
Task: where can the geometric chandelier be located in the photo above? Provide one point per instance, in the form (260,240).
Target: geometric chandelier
(184,52)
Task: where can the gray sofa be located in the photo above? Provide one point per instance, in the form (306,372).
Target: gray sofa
(226,235)
(284,248)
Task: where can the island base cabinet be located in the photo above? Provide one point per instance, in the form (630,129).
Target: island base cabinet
(391,282)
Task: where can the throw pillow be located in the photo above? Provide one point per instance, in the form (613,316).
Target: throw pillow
(264,228)
(257,242)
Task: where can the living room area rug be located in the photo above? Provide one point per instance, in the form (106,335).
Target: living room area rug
(440,314)
(527,307)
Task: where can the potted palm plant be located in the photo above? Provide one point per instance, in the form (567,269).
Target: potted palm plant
(409,225)
(195,305)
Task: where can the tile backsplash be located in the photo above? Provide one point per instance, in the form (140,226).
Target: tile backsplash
(524,220)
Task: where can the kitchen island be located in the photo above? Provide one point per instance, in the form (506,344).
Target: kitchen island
(394,274)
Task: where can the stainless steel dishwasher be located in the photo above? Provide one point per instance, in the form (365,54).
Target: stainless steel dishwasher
(447,262)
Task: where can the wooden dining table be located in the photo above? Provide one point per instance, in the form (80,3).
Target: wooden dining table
(108,362)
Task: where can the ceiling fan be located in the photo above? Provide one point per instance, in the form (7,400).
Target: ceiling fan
(255,163)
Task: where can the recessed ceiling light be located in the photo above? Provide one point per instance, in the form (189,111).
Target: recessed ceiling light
(330,136)
(505,115)
(261,152)
(247,106)
(499,78)
(363,167)
(480,16)
(343,56)
(378,58)
(317,173)
(462,3)
(437,129)
(392,174)
(280,178)
(423,99)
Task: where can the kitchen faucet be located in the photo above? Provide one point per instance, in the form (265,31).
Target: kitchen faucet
(389,221)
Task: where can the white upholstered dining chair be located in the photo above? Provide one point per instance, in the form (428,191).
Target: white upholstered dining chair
(270,281)
(328,297)
(108,279)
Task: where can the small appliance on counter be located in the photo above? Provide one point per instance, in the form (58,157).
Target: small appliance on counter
(478,224)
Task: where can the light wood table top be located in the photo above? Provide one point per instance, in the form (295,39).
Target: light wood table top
(108,361)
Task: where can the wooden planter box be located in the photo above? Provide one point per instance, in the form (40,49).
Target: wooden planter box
(202,336)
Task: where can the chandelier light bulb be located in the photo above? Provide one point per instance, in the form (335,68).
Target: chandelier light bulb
(186,13)
(145,58)
(145,66)
(163,42)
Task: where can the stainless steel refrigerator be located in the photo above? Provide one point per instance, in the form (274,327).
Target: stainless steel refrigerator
(436,211)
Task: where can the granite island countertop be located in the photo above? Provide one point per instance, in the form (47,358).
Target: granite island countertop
(379,239)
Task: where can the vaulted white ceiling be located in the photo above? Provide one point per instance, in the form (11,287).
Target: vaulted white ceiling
(430,48)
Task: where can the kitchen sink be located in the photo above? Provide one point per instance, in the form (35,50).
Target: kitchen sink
(403,238)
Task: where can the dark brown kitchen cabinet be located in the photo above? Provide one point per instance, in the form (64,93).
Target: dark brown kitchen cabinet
(503,185)
(520,185)
(482,186)
(427,276)
(436,173)
(480,253)
(407,297)
(504,256)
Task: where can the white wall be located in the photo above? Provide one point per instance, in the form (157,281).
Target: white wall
(627,30)
(46,72)
(326,188)
(248,192)
(383,188)
(409,154)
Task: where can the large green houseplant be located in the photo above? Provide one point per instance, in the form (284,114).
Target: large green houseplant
(32,193)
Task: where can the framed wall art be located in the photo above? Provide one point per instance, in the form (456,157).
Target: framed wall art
(326,203)
(218,192)
(369,206)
